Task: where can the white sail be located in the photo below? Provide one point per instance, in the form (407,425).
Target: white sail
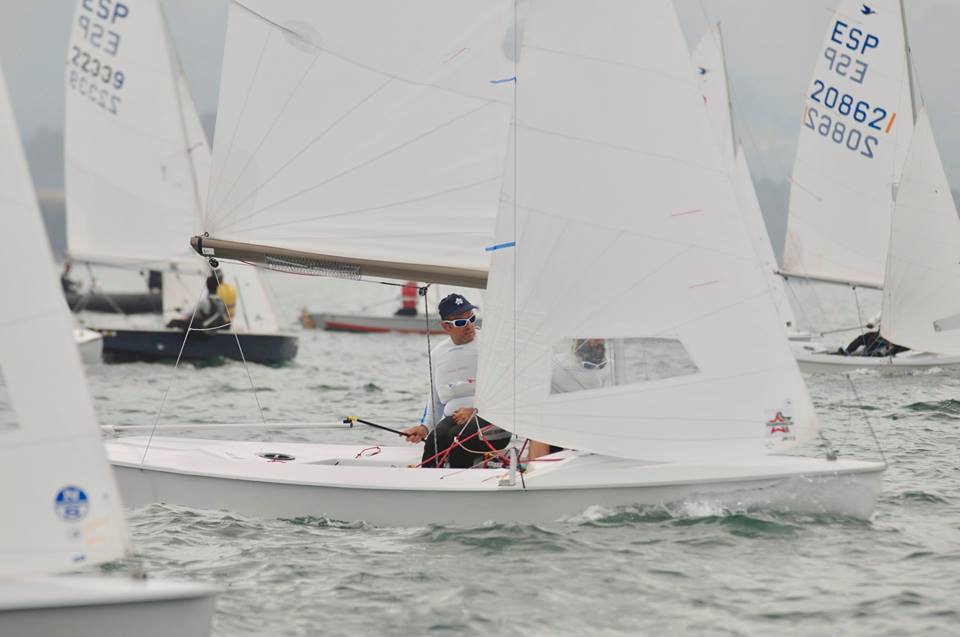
(132,194)
(627,227)
(377,139)
(757,231)
(855,128)
(709,63)
(62,505)
(921,297)
(710,66)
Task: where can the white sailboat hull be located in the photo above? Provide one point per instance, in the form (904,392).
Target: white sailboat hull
(380,488)
(826,363)
(88,606)
(89,343)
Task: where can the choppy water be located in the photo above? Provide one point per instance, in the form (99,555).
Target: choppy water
(692,569)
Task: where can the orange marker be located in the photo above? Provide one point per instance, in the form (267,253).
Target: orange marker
(890,123)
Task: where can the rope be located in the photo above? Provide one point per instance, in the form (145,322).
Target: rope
(432,404)
(166,392)
(866,418)
(243,359)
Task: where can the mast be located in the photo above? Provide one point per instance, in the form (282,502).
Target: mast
(910,79)
(726,81)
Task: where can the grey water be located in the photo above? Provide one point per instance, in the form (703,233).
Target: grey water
(692,568)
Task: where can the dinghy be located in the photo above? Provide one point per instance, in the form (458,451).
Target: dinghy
(710,64)
(369,324)
(612,206)
(64,509)
(857,124)
(137,167)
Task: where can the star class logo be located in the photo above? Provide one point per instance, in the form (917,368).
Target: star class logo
(459,300)
(779,423)
(71,504)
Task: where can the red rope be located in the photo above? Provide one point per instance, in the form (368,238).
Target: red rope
(377,450)
(456,442)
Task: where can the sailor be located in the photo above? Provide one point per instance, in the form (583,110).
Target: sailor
(227,294)
(69,285)
(408,296)
(449,413)
(155,281)
(872,343)
(211,312)
(584,365)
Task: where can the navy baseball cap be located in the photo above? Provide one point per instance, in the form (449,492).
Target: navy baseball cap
(454,304)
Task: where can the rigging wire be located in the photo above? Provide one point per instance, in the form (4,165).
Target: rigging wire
(866,418)
(432,405)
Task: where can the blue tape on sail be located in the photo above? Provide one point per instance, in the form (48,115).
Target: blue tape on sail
(500,246)
(506,79)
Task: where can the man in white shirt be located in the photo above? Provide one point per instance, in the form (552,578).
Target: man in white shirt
(450,413)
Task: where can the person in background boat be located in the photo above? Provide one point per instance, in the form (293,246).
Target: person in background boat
(155,281)
(408,296)
(211,312)
(871,343)
(584,365)
(449,412)
(69,285)
(227,293)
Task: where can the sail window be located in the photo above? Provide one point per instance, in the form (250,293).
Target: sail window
(8,419)
(580,364)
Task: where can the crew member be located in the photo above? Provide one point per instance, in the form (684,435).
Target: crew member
(451,403)
(227,294)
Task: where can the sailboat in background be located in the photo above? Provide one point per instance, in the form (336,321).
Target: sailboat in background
(710,65)
(64,511)
(857,124)
(19,190)
(612,209)
(137,167)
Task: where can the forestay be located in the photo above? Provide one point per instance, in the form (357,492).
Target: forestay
(627,227)
(379,139)
(130,137)
(710,65)
(921,298)
(62,505)
(856,124)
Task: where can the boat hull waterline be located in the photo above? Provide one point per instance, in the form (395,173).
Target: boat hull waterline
(376,485)
(369,324)
(128,345)
(86,606)
(826,363)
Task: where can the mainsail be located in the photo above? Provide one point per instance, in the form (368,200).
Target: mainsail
(363,142)
(921,296)
(619,222)
(855,128)
(62,502)
(138,161)
(710,65)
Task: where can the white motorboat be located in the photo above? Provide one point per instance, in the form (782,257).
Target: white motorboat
(65,511)
(610,210)
(89,344)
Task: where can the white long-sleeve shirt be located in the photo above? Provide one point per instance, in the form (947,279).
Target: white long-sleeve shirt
(454,377)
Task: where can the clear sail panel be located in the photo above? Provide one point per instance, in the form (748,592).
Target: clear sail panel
(580,364)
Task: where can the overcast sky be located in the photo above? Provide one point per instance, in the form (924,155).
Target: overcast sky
(771,47)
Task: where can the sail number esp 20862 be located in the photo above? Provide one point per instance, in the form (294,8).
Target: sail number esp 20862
(838,114)
(91,64)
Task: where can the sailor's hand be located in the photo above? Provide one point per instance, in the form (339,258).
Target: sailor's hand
(416,433)
(463,415)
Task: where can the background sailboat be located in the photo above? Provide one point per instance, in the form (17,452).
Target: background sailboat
(137,167)
(608,229)
(65,509)
(856,128)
